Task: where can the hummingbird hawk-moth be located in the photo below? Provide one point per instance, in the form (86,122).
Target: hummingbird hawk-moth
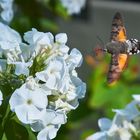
(120,48)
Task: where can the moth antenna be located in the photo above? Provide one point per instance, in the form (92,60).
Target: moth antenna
(100,40)
(102,43)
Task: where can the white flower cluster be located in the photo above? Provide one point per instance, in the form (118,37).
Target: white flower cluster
(6,11)
(73,6)
(51,88)
(124,126)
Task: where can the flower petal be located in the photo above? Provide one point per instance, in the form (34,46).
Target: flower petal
(22,113)
(104,124)
(61,38)
(15,100)
(59,119)
(98,136)
(39,99)
(129,112)
(47,133)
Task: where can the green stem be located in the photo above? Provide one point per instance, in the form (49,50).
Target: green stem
(4,120)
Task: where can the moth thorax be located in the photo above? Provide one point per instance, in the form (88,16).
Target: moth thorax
(133,46)
(115,47)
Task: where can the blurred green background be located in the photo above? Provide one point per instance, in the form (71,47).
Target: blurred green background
(83,31)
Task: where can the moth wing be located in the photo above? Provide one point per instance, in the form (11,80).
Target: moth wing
(118,31)
(118,61)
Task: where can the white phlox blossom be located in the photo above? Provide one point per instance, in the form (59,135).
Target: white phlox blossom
(41,72)
(9,43)
(10,47)
(22,68)
(40,42)
(69,100)
(49,123)
(51,86)
(53,74)
(9,35)
(28,103)
(80,87)
(124,126)
(73,6)
(74,60)
(6,10)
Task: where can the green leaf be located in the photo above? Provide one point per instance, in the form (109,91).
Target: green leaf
(48,24)
(4,137)
(61,11)
(1,132)
(15,131)
(31,134)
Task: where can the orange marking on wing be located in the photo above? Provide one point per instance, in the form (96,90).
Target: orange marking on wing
(122,59)
(122,35)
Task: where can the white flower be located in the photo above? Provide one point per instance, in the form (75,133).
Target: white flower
(27,103)
(31,83)
(137,98)
(104,124)
(1,97)
(112,130)
(65,84)
(74,60)
(48,133)
(120,132)
(26,52)
(73,6)
(124,125)
(48,124)
(8,34)
(52,87)
(7,11)
(9,43)
(73,88)
(61,38)
(65,106)
(129,112)
(22,68)
(38,38)
(53,73)
(59,47)
(98,136)
(80,87)
(40,42)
